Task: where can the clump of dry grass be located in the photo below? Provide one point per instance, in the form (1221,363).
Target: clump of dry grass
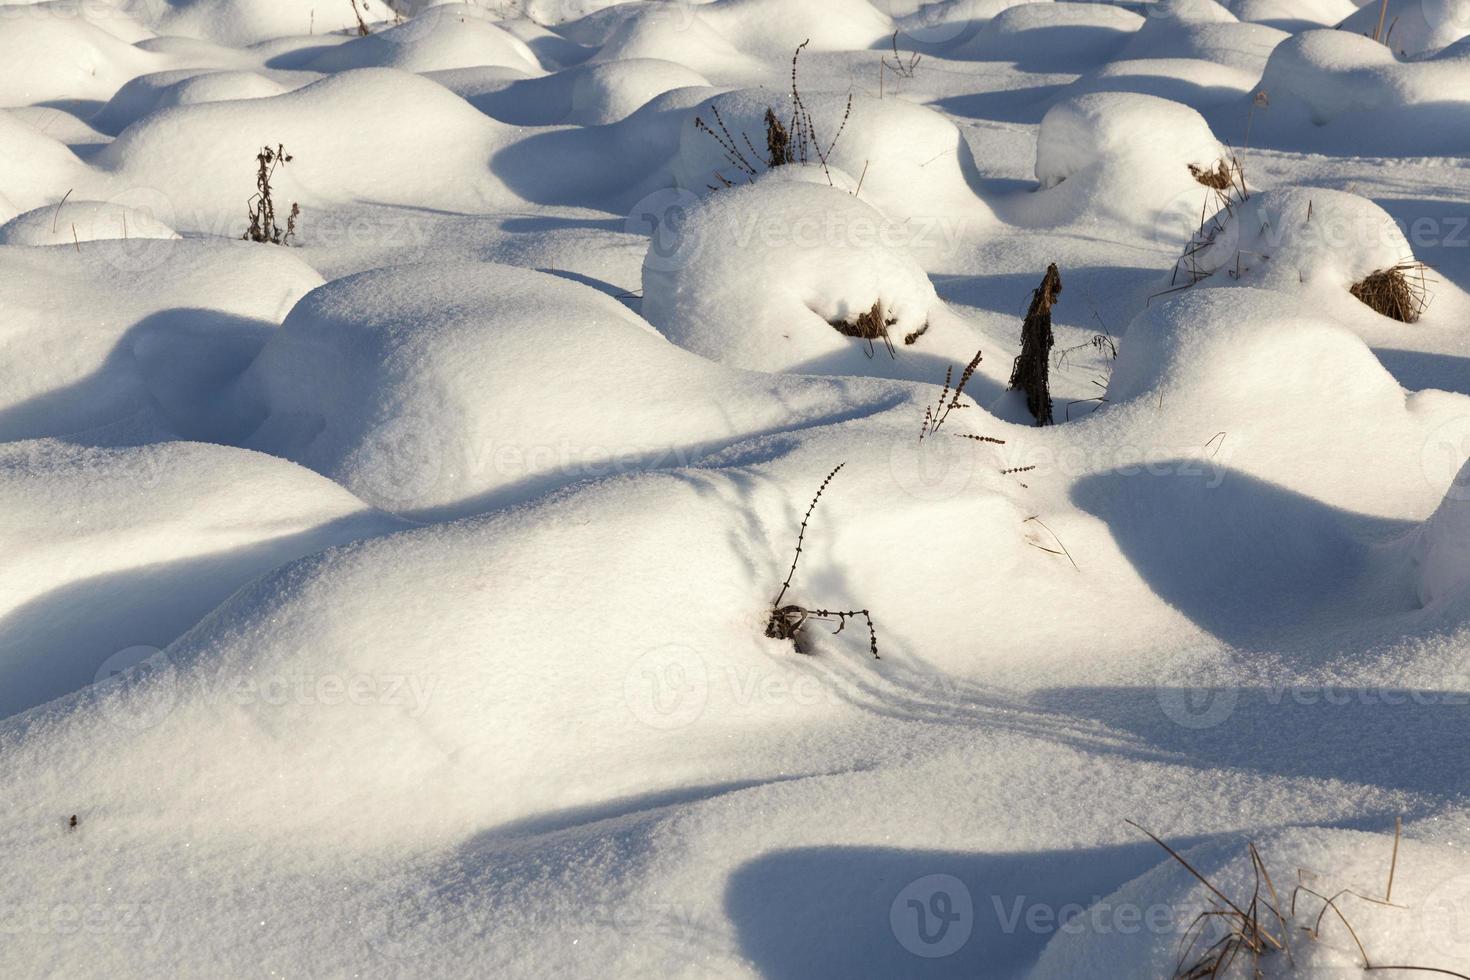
(261,208)
(870,325)
(793,141)
(1031,371)
(789,622)
(1258,928)
(1400,292)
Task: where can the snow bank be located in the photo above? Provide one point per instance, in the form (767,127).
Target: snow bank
(1431,881)
(420,387)
(441,37)
(912,161)
(1413,28)
(1294,15)
(1440,550)
(243,22)
(94,66)
(1118,159)
(126,329)
(757,274)
(1278,376)
(612,91)
(82,221)
(35,169)
(1203,30)
(1189,81)
(120,549)
(1310,242)
(1335,90)
(1052,37)
(203,156)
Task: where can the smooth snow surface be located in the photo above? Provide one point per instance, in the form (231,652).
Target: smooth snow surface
(394,601)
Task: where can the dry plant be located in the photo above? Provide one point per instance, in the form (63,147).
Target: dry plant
(261,208)
(1031,371)
(793,141)
(949,401)
(362,28)
(788,622)
(1103,344)
(1258,928)
(1400,292)
(870,325)
(900,66)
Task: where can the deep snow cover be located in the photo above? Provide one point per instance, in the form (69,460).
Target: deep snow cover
(398,599)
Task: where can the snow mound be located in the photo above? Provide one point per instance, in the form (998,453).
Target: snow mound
(1189,81)
(1441,548)
(1337,90)
(439,38)
(137,545)
(1205,31)
(33,165)
(1308,241)
(1278,376)
(1119,158)
(1294,15)
(1431,881)
(1052,37)
(912,161)
(421,387)
(1419,27)
(201,156)
(609,92)
(82,221)
(95,65)
(757,275)
(238,23)
(179,314)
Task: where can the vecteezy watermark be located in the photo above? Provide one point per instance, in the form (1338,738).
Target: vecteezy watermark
(664,216)
(137,687)
(1451,14)
(933,916)
(1099,917)
(1187,703)
(1444,920)
(410,692)
(1445,455)
(399,463)
(933,22)
(935,468)
(667,687)
(140,921)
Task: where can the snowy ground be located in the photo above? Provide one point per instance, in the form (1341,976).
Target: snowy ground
(393,602)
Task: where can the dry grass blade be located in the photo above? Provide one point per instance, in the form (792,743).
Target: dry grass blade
(1064,551)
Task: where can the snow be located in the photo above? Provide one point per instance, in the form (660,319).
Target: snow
(396,601)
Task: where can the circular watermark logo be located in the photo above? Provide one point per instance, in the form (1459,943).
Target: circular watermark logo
(1189,215)
(1444,919)
(933,916)
(935,22)
(126,232)
(668,687)
(663,217)
(1443,458)
(400,462)
(1452,14)
(934,468)
(1190,704)
(137,687)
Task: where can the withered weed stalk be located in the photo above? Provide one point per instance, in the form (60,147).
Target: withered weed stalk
(362,28)
(900,66)
(261,208)
(792,141)
(788,622)
(1258,928)
(1031,372)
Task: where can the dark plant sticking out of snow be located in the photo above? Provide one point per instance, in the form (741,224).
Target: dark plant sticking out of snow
(786,143)
(871,325)
(262,209)
(788,622)
(1031,372)
(935,415)
(1258,927)
(1400,292)
(362,28)
(903,68)
(1227,182)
